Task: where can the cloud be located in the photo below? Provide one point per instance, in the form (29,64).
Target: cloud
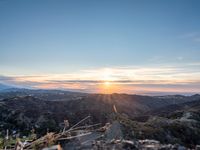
(194,64)
(128,79)
(6,78)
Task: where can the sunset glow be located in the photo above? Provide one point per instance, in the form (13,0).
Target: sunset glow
(107,83)
(116,80)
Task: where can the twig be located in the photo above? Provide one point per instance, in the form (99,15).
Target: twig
(71,137)
(77,124)
(89,126)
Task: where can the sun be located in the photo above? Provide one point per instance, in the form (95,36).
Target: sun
(107,83)
(107,78)
(107,86)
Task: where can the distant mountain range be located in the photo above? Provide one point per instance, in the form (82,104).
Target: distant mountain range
(4,87)
(11,88)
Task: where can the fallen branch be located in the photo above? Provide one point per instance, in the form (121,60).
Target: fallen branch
(72,137)
(88,126)
(76,124)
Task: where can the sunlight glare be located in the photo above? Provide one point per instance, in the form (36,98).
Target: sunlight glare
(107,83)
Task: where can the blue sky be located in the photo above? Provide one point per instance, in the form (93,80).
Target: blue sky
(45,37)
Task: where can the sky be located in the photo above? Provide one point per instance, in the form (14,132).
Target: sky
(124,46)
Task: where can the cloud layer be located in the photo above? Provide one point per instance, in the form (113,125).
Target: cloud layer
(131,79)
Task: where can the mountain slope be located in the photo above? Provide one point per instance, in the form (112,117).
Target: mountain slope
(3,87)
(173,124)
(25,112)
